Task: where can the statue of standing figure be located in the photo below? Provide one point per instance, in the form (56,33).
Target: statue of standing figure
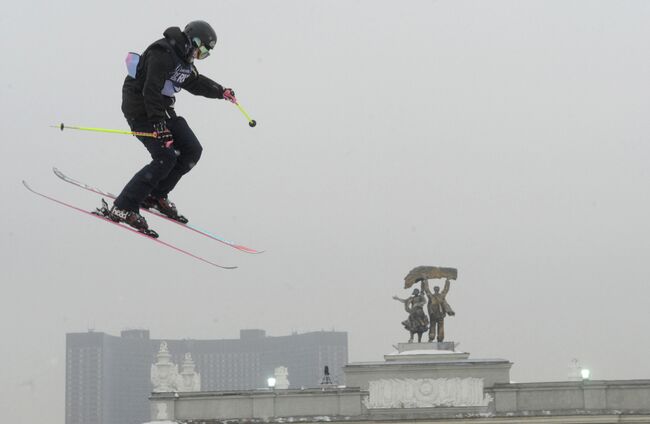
(417,322)
(438,308)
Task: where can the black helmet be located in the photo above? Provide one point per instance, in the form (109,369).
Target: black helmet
(202,31)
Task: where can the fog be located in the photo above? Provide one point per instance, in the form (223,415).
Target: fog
(506,139)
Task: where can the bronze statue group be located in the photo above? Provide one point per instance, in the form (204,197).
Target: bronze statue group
(437,307)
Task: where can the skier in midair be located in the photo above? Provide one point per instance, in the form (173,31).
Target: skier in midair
(163,69)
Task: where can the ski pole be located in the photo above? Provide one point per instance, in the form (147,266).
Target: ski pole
(137,133)
(251,122)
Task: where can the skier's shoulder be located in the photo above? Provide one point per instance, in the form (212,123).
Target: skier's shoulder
(160,53)
(159,47)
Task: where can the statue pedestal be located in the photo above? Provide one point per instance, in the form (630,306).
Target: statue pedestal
(427,361)
(432,351)
(403,347)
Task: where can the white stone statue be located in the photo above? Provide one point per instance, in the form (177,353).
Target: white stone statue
(164,373)
(189,380)
(281,381)
(574,371)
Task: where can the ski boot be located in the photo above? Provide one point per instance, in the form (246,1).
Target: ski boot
(132,219)
(165,207)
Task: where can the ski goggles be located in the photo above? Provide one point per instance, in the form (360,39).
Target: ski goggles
(203,51)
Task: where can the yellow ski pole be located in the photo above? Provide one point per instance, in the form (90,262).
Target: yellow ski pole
(105,130)
(251,122)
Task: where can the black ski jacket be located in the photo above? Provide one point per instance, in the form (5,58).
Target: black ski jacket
(163,69)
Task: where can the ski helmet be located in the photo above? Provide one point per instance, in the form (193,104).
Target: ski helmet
(200,34)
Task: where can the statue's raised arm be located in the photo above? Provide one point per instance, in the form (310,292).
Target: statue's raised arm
(445,290)
(425,287)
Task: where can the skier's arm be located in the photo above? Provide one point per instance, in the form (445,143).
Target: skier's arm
(200,85)
(155,104)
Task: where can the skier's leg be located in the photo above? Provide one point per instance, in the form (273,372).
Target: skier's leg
(145,180)
(189,148)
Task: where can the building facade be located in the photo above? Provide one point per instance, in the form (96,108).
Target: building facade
(420,382)
(108,377)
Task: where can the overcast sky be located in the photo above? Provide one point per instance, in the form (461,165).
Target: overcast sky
(508,139)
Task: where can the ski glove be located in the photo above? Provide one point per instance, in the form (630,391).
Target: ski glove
(229,94)
(163,134)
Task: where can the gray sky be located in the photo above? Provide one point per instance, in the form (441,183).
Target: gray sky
(506,138)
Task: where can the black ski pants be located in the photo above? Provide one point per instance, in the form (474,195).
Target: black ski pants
(167,165)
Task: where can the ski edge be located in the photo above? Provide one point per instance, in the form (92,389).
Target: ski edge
(197,230)
(171,246)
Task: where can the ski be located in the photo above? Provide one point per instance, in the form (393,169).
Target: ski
(204,233)
(103,218)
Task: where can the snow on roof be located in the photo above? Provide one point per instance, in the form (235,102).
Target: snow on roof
(162,422)
(425,352)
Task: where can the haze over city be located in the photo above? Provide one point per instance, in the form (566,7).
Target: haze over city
(503,138)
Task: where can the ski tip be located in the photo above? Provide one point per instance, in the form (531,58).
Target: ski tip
(58,173)
(247,249)
(217,265)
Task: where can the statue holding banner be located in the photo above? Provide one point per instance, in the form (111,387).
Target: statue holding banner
(437,305)
(417,322)
(438,308)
